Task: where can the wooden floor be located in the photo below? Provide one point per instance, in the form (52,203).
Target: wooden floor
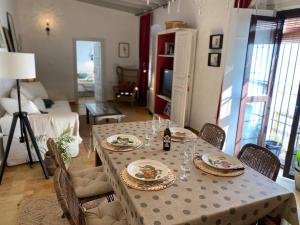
(21,181)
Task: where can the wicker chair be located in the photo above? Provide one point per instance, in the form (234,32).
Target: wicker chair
(260,159)
(89,184)
(110,213)
(213,134)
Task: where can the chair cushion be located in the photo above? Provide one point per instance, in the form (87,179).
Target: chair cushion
(106,214)
(90,182)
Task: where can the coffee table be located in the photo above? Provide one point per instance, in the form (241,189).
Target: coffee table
(102,111)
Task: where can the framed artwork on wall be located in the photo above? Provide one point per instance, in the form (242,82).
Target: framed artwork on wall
(124,50)
(3,45)
(216,41)
(7,35)
(214,59)
(12,31)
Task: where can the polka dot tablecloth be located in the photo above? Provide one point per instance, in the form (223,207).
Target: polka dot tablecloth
(201,200)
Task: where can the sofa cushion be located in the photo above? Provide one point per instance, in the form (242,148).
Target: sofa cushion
(60,107)
(106,214)
(11,106)
(40,104)
(34,90)
(14,95)
(90,182)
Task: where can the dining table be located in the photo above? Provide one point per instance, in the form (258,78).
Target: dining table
(202,199)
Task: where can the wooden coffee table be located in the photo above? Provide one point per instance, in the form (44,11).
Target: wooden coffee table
(102,111)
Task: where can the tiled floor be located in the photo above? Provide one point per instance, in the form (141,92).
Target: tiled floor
(22,181)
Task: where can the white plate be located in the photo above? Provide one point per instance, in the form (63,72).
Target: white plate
(133,141)
(182,133)
(137,170)
(220,160)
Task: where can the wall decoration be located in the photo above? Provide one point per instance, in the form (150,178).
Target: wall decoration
(7,35)
(214,59)
(12,30)
(124,50)
(216,41)
(3,45)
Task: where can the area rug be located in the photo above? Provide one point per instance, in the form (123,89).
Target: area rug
(44,210)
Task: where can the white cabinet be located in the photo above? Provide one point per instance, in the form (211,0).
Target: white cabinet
(182,64)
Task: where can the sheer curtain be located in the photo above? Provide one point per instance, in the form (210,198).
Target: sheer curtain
(98,72)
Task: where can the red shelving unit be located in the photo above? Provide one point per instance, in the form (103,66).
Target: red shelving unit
(163,61)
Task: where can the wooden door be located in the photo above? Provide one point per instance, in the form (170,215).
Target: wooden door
(181,76)
(263,47)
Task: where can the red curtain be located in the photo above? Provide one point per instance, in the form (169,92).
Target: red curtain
(145,23)
(242,3)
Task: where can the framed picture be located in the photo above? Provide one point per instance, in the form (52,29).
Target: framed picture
(7,35)
(12,31)
(3,45)
(169,48)
(216,41)
(214,59)
(124,50)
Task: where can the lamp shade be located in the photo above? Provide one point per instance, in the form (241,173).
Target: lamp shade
(17,65)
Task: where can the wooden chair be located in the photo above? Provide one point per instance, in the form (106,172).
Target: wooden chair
(213,134)
(110,213)
(89,184)
(260,159)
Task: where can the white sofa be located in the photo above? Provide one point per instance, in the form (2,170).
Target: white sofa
(58,118)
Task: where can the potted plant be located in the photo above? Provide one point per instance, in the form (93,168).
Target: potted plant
(297,171)
(62,142)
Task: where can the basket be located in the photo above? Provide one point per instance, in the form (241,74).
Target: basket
(175,24)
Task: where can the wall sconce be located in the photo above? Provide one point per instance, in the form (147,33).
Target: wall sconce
(47,26)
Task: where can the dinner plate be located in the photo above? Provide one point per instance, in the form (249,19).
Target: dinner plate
(182,133)
(220,160)
(124,140)
(147,170)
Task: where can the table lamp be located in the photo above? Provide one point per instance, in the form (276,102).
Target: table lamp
(19,66)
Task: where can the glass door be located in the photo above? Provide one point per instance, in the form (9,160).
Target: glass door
(263,47)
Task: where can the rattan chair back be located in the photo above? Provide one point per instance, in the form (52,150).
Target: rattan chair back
(56,156)
(260,159)
(67,198)
(213,134)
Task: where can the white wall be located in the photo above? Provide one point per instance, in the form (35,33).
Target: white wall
(210,17)
(6,6)
(71,19)
(284,4)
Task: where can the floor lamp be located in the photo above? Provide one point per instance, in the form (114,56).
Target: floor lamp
(19,66)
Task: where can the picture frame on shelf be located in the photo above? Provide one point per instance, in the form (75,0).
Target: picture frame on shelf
(169,48)
(7,35)
(216,41)
(12,31)
(124,50)
(214,59)
(3,45)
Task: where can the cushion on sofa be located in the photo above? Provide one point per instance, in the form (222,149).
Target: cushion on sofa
(40,104)
(34,90)
(11,106)
(14,95)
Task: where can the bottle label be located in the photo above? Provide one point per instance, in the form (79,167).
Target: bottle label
(167,141)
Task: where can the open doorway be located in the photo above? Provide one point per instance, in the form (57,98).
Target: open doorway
(88,71)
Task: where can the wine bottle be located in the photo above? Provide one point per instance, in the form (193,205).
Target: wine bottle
(167,139)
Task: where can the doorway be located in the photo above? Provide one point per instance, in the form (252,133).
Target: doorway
(89,69)
(270,107)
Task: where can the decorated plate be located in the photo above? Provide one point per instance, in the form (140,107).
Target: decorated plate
(147,170)
(124,140)
(220,160)
(178,132)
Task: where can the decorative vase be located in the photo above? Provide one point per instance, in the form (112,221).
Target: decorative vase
(297,180)
(50,164)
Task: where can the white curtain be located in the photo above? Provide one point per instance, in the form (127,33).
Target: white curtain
(98,72)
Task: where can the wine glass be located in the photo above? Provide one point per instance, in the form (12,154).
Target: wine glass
(148,134)
(185,165)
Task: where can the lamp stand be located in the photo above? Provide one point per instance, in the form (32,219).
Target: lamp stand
(25,130)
